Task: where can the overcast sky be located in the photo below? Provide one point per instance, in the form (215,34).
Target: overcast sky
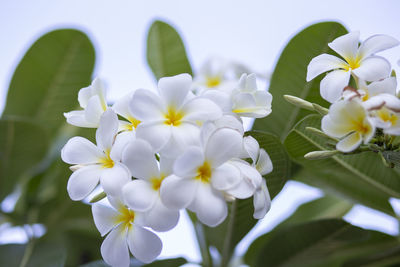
(251,32)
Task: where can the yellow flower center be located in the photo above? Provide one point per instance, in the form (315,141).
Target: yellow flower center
(387,116)
(213,81)
(126,216)
(352,63)
(156,182)
(361,127)
(173,117)
(204,172)
(107,162)
(134,123)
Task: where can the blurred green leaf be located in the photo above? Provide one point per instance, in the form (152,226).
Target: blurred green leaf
(166,54)
(320,243)
(361,178)
(388,257)
(23,144)
(322,208)
(33,255)
(289,77)
(47,80)
(240,220)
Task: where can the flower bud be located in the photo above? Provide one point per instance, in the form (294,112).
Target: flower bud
(299,102)
(321,154)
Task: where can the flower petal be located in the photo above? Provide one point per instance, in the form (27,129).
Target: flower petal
(147,106)
(264,163)
(375,44)
(346,45)
(160,218)
(187,164)
(94,110)
(177,193)
(105,218)
(79,150)
(209,205)
(77,118)
(140,158)
(387,86)
(251,148)
(261,201)
(107,130)
(333,83)
(139,195)
(144,245)
(223,145)
(323,63)
(349,143)
(174,90)
(121,142)
(82,182)
(156,133)
(373,68)
(201,109)
(114,248)
(113,179)
(225,177)
(121,106)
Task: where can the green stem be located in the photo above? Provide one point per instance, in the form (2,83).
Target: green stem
(226,252)
(201,240)
(29,247)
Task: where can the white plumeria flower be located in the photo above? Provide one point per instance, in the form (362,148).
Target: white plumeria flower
(219,74)
(101,162)
(202,174)
(121,107)
(170,119)
(348,120)
(366,91)
(359,61)
(125,231)
(93,101)
(385,111)
(143,194)
(262,162)
(248,101)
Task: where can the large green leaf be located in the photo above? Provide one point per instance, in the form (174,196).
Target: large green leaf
(361,178)
(32,255)
(166,54)
(322,208)
(46,81)
(240,220)
(320,243)
(289,77)
(23,144)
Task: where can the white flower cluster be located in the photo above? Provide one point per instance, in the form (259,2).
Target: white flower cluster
(358,114)
(159,152)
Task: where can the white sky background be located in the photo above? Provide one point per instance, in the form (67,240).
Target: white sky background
(250,32)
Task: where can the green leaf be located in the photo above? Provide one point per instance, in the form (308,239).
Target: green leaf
(166,54)
(289,77)
(47,80)
(134,263)
(320,243)
(361,178)
(23,144)
(32,255)
(322,208)
(388,257)
(240,220)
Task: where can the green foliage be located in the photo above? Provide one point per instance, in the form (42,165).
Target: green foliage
(240,220)
(329,242)
(32,255)
(166,54)
(289,77)
(361,178)
(322,208)
(22,146)
(46,82)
